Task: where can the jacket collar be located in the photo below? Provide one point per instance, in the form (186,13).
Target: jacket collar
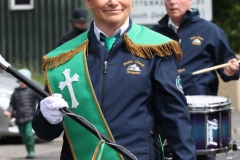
(189,16)
(92,33)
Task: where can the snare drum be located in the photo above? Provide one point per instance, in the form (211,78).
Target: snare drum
(211,123)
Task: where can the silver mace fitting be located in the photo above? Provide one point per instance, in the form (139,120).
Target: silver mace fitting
(4,64)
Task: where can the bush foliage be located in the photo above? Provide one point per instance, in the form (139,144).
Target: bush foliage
(226,14)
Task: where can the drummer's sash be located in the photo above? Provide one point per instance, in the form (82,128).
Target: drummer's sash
(72,80)
(67,73)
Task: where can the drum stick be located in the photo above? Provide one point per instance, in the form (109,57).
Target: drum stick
(212,68)
(181,70)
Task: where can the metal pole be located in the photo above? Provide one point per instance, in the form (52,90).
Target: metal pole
(7,67)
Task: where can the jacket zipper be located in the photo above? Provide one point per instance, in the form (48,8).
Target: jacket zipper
(105,73)
(105,67)
(106,59)
(149,146)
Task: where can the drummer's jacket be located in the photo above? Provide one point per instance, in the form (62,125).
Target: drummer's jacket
(134,103)
(204,45)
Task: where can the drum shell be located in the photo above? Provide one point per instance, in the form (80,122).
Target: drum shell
(211,125)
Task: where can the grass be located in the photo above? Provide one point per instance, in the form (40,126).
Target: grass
(39,77)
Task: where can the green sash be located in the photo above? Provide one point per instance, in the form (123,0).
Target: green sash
(68,62)
(82,143)
(145,43)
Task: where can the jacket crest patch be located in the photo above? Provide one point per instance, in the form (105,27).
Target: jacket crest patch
(179,84)
(133,67)
(197,40)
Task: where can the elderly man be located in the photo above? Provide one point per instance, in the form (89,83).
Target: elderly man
(204,45)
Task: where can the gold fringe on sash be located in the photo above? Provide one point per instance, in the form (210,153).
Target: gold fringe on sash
(97,155)
(52,62)
(147,51)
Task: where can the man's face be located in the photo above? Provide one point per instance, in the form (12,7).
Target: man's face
(110,12)
(177,8)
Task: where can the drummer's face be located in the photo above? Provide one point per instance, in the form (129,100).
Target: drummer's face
(177,8)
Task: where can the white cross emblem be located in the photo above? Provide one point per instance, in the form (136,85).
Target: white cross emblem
(68,83)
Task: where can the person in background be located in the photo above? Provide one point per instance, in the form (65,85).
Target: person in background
(204,45)
(23,104)
(79,21)
(121,77)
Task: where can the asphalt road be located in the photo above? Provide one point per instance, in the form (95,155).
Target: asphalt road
(15,150)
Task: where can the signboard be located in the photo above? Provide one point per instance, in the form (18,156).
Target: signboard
(148,12)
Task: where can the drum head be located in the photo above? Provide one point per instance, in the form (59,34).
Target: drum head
(203,102)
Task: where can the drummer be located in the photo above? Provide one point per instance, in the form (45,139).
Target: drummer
(204,45)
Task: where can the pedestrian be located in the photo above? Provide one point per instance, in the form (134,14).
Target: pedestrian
(126,89)
(79,21)
(23,105)
(204,45)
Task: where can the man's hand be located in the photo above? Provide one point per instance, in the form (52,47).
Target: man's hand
(233,68)
(50,108)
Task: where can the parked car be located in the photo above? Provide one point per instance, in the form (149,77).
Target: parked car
(7,85)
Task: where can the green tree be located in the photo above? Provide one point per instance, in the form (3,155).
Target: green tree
(226,14)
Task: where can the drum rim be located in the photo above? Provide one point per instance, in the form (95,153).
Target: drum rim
(208,104)
(212,107)
(208,151)
(207,110)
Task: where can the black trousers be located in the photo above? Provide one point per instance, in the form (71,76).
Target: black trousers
(206,157)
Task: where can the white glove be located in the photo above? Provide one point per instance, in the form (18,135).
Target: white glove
(50,108)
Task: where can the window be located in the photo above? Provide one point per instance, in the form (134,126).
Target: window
(21,4)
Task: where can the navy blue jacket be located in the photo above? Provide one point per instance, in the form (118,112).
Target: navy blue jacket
(134,105)
(23,104)
(204,45)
